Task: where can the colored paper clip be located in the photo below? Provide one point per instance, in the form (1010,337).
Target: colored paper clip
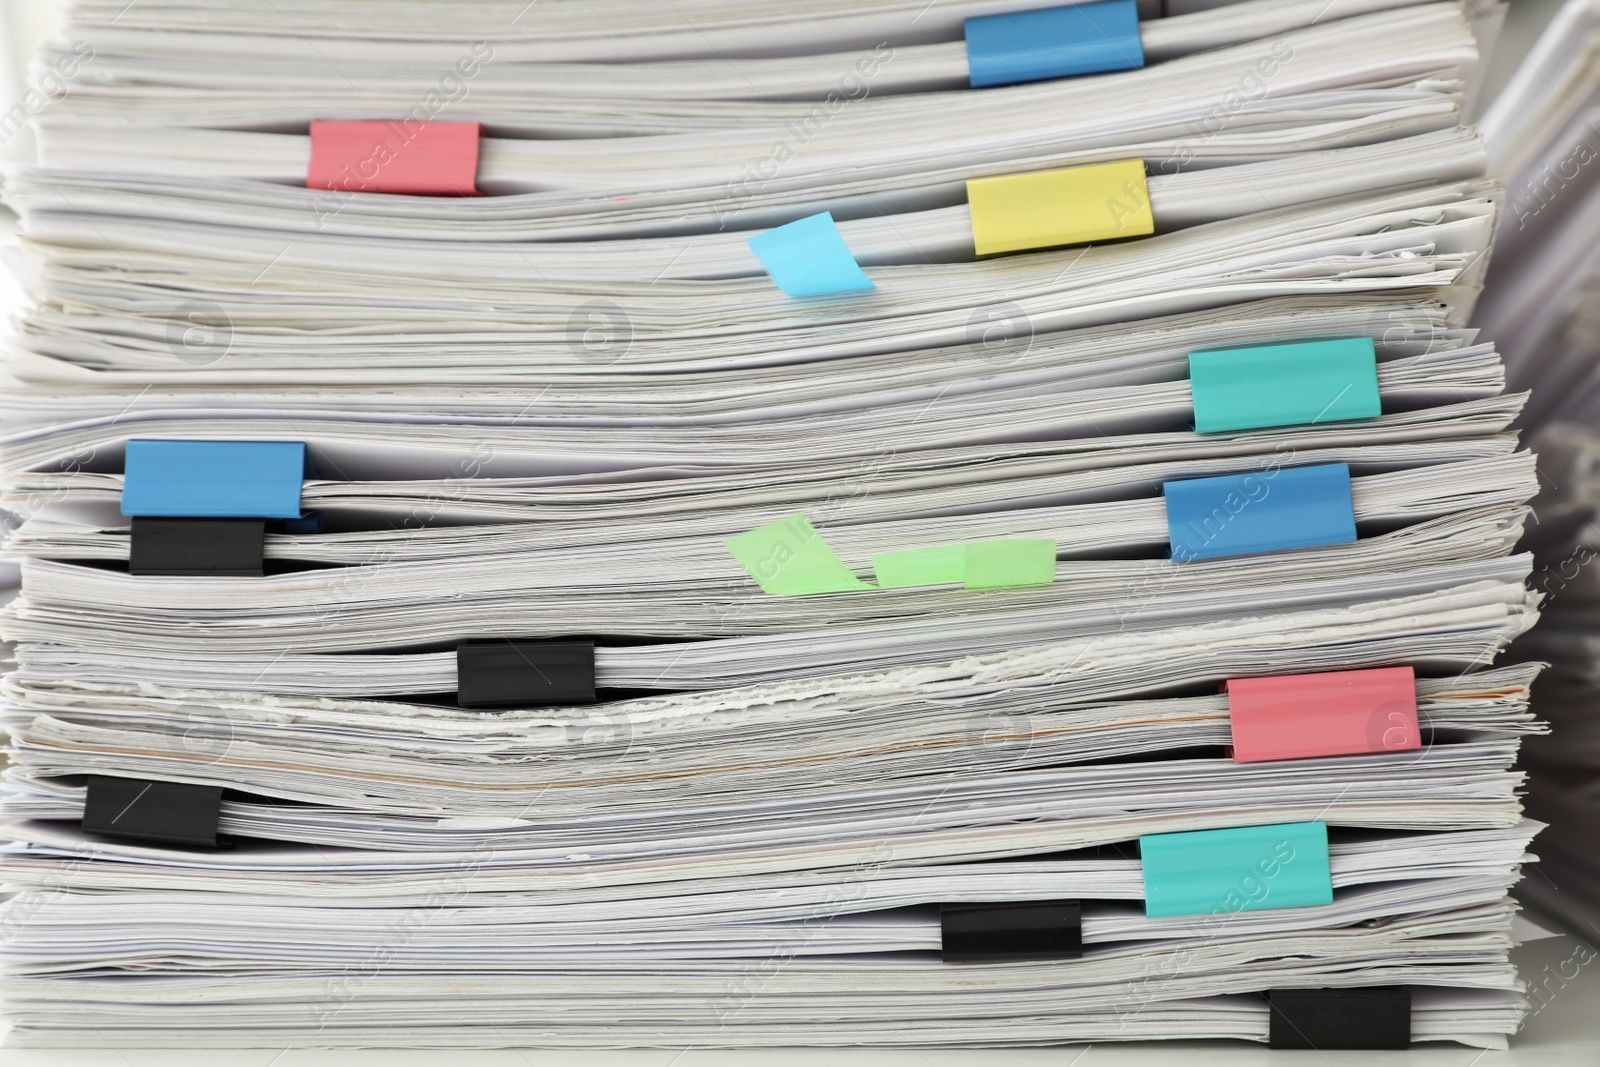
(213,479)
(1284,385)
(1003,932)
(1336,713)
(395,156)
(1056,42)
(1048,208)
(1250,868)
(1370,1017)
(809,258)
(503,672)
(175,813)
(1267,511)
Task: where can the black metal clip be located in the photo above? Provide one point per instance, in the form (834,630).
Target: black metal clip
(501,672)
(170,812)
(228,547)
(1374,1017)
(1025,930)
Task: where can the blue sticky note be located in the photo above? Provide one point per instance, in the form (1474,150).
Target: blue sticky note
(1057,42)
(809,258)
(1264,511)
(1250,868)
(214,479)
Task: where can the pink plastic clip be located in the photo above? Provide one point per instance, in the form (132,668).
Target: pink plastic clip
(395,156)
(1294,716)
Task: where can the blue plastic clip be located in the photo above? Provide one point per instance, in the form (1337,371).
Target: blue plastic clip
(214,479)
(1057,42)
(1249,868)
(1265,511)
(809,258)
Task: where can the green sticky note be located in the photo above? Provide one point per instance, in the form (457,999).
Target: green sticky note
(1284,385)
(944,565)
(790,558)
(997,564)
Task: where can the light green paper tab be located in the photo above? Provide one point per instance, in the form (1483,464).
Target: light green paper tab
(790,558)
(999,564)
(1284,385)
(944,565)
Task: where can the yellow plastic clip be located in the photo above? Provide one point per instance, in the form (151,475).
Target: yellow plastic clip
(1099,202)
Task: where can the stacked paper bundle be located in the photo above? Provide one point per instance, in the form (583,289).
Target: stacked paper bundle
(1542,305)
(702,523)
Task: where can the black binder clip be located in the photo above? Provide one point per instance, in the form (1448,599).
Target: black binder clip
(502,672)
(168,812)
(229,547)
(995,933)
(1375,1017)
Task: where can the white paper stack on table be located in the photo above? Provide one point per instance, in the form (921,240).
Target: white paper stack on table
(816,544)
(1542,305)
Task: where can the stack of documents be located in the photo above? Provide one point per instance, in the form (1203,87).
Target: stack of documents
(629,523)
(1542,306)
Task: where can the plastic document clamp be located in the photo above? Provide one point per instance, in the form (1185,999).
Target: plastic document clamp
(395,156)
(1056,42)
(1303,384)
(1265,511)
(220,547)
(213,479)
(1250,868)
(995,933)
(503,672)
(1048,208)
(167,812)
(1336,713)
(1375,1017)
(809,258)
